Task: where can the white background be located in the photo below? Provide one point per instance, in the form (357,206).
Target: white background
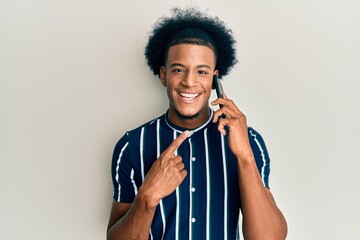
(73,78)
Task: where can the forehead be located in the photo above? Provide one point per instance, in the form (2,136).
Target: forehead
(191,54)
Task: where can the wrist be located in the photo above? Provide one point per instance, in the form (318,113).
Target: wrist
(246,160)
(244,154)
(147,199)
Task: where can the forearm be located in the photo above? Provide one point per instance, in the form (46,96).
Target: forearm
(164,176)
(262,219)
(135,224)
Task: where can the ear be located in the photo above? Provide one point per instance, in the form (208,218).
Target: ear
(162,75)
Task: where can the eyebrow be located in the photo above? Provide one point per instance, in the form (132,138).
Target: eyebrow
(182,65)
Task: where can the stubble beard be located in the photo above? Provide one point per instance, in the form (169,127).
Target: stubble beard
(184,117)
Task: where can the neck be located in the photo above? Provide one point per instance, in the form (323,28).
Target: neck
(188,122)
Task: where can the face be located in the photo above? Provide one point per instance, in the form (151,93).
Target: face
(187,76)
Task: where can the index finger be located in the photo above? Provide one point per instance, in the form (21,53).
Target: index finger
(176,143)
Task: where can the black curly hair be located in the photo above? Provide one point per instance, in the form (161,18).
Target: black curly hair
(194,27)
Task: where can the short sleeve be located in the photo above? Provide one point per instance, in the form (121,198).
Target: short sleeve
(121,172)
(261,155)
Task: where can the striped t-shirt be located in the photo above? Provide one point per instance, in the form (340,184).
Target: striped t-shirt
(206,205)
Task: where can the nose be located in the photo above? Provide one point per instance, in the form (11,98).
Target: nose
(189,79)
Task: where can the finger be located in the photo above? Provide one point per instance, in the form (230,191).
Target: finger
(223,112)
(225,102)
(180,166)
(221,126)
(176,143)
(176,160)
(229,104)
(183,174)
(216,102)
(222,103)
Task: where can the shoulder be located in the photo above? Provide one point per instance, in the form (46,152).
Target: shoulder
(254,135)
(149,124)
(261,155)
(135,133)
(258,145)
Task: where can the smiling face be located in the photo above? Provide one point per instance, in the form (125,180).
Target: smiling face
(187,76)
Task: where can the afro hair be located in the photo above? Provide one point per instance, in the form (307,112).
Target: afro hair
(195,27)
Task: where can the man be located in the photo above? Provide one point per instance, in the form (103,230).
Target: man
(188,173)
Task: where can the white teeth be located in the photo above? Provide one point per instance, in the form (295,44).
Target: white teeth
(189,95)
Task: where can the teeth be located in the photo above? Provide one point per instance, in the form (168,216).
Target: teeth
(189,95)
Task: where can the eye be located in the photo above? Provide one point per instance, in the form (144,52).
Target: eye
(202,72)
(177,70)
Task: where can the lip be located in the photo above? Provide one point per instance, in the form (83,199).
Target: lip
(188,97)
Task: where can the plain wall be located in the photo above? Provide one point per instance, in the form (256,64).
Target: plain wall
(73,79)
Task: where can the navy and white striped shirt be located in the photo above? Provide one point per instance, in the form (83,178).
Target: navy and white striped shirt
(206,205)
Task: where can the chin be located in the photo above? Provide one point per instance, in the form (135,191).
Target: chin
(188,116)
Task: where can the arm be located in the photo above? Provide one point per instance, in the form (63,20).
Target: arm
(130,221)
(133,221)
(262,219)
